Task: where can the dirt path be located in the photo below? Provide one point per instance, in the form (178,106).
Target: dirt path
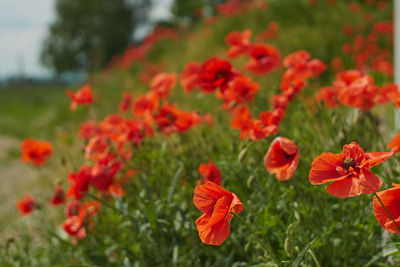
(16,178)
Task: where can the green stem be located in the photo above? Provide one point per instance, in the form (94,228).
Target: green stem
(390,215)
(314,258)
(252,230)
(103,202)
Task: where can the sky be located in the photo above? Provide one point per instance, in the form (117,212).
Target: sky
(23,27)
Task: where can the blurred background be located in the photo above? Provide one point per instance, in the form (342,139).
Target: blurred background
(60,41)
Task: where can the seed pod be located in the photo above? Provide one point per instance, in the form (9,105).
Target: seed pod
(289,241)
(250,180)
(242,155)
(289,247)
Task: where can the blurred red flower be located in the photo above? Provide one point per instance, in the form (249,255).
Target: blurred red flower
(239,42)
(217,204)
(355,89)
(26,205)
(210,172)
(146,104)
(79,183)
(241,89)
(215,73)
(349,171)
(59,196)
(270,33)
(163,83)
(75,226)
(88,129)
(394,144)
(190,76)
(264,58)
(126,102)
(171,119)
(328,95)
(36,152)
(282,158)
(81,97)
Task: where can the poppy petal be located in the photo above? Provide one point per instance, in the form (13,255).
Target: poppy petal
(212,234)
(323,169)
(206,195)
(390,198)
(376,158)
(369,182)
(348,187)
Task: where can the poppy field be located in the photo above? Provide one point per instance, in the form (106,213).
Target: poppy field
(263,135)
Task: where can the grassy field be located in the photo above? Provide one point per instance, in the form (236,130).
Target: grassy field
(153,223)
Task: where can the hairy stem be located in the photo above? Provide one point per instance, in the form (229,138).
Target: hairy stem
(252,230)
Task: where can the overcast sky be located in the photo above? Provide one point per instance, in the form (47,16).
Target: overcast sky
(23,27)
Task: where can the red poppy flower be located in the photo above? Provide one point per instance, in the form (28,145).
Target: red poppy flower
(75,226)
(163,83)
(349,171)
(270,33)
(59,196)
(146,104)
(242,121)
(101,177)
(395,98)
(88,129)
(241,89)
(79,183)
(394,144)
(300,67)
(254,129)
(81,97)
(96,147)
(391,200)
(217,204)
(329,96)
(125,102)
(171,119)
(215,73)
(272,118)
(264,58)
(385,92)
(239,42)
(282,158)
(72,208)
(36,152)
(210,172)
(26,205)
(356,89)
(280,101)
(190,76)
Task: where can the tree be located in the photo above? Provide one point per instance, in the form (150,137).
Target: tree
(188,9)
(87,33)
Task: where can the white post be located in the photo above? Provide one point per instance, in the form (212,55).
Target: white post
(396,48)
